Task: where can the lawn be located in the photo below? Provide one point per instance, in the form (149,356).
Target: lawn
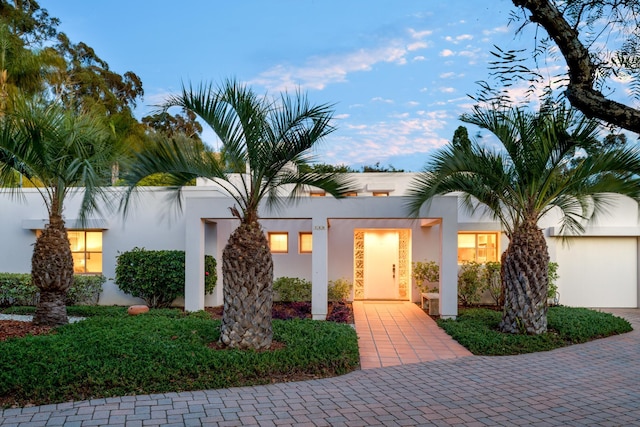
(477,330)
(113,354)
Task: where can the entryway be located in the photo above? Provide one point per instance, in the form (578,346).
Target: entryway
(382,264)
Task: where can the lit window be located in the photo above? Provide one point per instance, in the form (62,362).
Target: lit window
(318,194)
(478,247)
(380,193)
(306,242)
(351,194)
(279,242)
(86,250)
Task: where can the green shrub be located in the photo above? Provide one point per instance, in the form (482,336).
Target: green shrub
(158,276)
(155,276)
(86,290)
(552,287)
(291,289)
(492,282)
(427,271)
(469,283)
(17,289)
(210,274)
(339,290)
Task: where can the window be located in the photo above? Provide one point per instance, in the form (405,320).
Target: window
(86,250)
(351,194)
(380,193)
(318,194)
(478,247)
(305,242)
(279,242)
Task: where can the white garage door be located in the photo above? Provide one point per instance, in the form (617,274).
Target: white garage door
(598,272)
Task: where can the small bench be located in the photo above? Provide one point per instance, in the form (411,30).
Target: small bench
(431,303)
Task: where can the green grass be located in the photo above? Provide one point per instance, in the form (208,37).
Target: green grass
(477,330)
(162,351)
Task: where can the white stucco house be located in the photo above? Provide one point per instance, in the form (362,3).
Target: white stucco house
(366,238)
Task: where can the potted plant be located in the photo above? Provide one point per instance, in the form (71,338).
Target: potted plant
(427,276)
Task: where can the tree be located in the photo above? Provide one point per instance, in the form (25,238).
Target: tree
(565,22)
(461,138)
(521,182)
(61,153)
(266,142)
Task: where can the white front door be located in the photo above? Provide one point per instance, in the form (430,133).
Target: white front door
(381,249)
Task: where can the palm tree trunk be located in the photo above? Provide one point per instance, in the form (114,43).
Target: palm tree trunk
(52,273)
(247,269)
(524,276)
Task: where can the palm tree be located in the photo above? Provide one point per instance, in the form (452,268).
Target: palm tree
(522,180)
(264,145)
(60,153)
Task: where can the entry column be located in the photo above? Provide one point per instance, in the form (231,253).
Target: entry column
(320,268)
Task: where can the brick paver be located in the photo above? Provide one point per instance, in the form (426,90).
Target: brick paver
(596,383)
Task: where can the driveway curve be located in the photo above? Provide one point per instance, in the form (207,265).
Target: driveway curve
(596,383)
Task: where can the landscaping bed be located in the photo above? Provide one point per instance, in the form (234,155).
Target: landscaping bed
(115,354)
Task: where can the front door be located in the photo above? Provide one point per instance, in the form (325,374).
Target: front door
(381,249)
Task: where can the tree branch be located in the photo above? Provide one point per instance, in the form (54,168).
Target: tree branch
(580,91)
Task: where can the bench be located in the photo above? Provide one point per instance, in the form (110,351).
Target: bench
(431,303)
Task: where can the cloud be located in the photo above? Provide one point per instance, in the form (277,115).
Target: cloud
(400,135)
(342,116)
(380,99)
(419,58)
(318,72)
(451,75)
(447,89)
(446,53)
(419,34)
(458,39)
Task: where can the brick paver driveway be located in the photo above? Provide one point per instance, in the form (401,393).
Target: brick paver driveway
(597,383)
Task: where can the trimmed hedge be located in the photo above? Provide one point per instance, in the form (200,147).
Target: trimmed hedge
(17,289)
(158,276)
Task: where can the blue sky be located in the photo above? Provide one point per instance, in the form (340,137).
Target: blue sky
(398,72)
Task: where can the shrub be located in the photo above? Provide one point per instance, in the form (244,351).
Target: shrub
(17,289)
(552,287)
(427,271)
(210,274)
(492,282)
(85,290)
(155,276)
(469,283)
(339,290)
(158,276)
(291,289)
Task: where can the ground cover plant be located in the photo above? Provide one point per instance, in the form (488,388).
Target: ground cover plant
(477,330)
(162,351)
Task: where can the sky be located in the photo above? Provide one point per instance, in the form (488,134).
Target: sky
(398,73)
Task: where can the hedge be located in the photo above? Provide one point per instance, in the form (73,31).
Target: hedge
(17,289)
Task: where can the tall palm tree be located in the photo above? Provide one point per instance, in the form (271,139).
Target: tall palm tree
(263,144)
(523,179)
(61,153)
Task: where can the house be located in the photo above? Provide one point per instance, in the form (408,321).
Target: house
(366,238)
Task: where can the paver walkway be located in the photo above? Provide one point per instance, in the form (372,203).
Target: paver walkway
(596,383)
(398,333)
